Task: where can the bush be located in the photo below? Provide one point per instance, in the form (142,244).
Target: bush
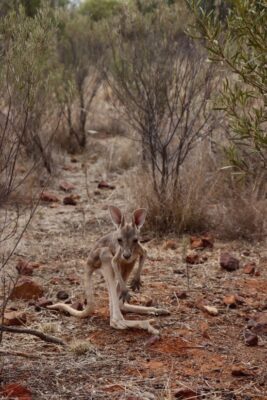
(100,9)
(80,53)
(29,75)
(163,84)
(240,45)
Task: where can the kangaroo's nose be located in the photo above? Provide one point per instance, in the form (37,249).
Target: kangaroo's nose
(127,256)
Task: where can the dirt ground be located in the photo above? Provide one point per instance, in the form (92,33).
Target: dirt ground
(197,356)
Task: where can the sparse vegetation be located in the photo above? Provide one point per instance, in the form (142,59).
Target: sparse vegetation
(113,102)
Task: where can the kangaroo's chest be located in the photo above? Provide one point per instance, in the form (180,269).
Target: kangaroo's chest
(126,268)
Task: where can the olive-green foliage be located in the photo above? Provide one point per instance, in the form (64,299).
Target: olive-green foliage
(100,9)
(240,45)
(31,7)
(29,77)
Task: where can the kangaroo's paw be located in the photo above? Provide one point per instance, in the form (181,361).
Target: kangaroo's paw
(142,324)
(136,284)
(118,324)
(162,311)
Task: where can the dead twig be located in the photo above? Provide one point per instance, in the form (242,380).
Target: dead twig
(41,335)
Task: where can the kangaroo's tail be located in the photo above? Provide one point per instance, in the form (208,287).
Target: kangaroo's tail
(76,313)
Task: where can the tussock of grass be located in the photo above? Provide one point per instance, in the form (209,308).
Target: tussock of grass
(80,347)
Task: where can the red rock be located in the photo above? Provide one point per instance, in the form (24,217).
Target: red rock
(229,262)
(249,268)
(251,339)
(49,197)
(239,370)
(27,289)
(16,391)
(66,186)
(193,259)
(259,323)
(181,295)
(15,318)
(24,267)
(185,393)
(105,185)
(230,300)
(204,241)
(70,200)
(170,244)
(196,243)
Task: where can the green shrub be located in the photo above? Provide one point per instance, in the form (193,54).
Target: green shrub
(240,45)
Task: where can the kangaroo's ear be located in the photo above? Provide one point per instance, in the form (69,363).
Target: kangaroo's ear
(116,216)
(139,217)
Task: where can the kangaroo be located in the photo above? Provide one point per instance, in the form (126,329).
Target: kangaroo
(115,255)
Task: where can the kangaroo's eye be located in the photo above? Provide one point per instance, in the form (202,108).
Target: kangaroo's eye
(135,240)
(120,240)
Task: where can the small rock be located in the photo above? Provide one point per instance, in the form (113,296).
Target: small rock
(170,245)
(24,267)
(14,318)
(97,192)
(259,323)
(49,197)
(211,310)
(251,339)
(16,391)
(152,340)
(105,185)
(249,268)
(185,393)
(26,289)
(70,201)
(230,300)
(239,370)
(204,241)
(62,295)
(181,295)
(229,262)
(66,186)
(193,259)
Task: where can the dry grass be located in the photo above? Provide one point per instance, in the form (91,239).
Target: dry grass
(209,198)
(80,347)
(122,154)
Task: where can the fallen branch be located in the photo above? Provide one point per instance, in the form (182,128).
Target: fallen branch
(41,335)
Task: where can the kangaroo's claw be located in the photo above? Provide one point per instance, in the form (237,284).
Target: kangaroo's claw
(136,284)
(125,296)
